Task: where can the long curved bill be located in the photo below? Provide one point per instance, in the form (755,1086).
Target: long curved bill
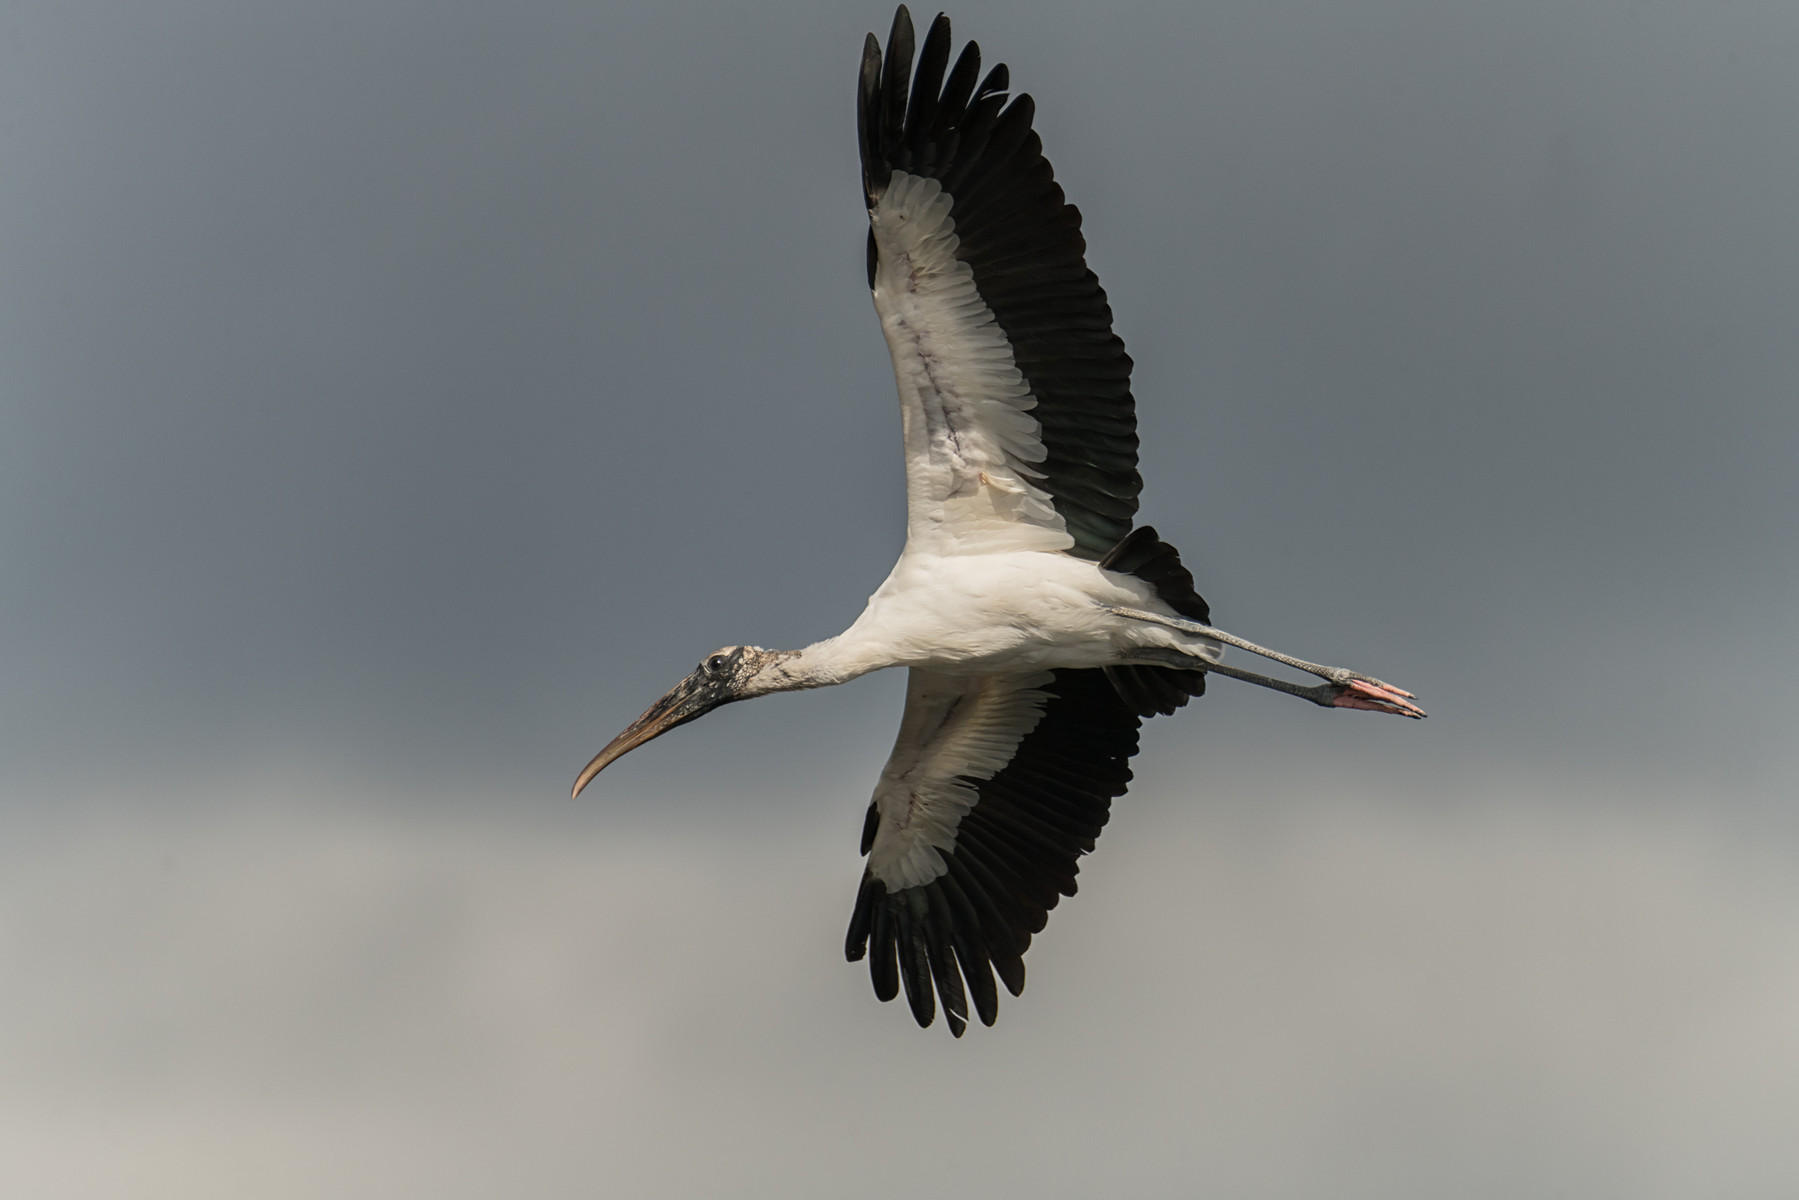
(693,697)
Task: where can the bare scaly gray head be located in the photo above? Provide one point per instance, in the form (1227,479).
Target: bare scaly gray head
(727,674)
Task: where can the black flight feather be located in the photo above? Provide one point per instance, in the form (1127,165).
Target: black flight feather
(1015,230)
(1015,856)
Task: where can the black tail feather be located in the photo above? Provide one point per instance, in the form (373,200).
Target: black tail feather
(1149,691)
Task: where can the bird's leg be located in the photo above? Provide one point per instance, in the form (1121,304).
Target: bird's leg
(1342,688)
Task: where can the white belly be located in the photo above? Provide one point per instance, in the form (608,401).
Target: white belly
(1016,611)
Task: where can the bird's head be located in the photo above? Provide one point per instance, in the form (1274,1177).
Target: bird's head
(728,673)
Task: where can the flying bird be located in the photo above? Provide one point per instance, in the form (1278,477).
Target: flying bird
(1037,626)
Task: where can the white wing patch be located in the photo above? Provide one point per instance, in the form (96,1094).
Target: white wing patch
(955,729)
(970,438)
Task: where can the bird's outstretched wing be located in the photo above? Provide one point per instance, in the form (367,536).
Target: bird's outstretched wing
(996,785)
(1015,393)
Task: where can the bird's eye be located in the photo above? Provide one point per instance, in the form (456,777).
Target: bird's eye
(716,664)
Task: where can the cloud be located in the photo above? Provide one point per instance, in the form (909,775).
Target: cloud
(1347,996)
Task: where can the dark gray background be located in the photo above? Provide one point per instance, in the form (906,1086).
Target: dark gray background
(398,396)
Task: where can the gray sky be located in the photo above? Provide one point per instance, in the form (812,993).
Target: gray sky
(397,396)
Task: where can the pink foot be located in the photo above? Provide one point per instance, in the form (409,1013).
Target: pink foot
(1371,695)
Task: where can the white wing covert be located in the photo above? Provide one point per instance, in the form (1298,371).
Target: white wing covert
(1018,422)
(995,786)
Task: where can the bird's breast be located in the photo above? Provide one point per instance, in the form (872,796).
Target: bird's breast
(981,614)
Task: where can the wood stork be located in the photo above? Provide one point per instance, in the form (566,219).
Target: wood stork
(1037,626)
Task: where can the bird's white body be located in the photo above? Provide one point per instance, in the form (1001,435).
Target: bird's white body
(1037,623)
(981,614)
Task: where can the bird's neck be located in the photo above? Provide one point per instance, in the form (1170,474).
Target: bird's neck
(834,660)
